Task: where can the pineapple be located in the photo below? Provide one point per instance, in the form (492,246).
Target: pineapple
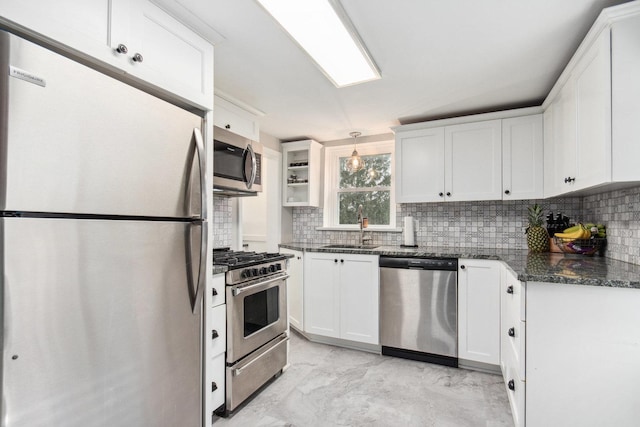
(537,236)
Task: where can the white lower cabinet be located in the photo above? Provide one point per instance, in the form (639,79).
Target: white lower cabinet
(215,344)
(341,296)
(582,353)
(479,311)
(216,388)
(512,343)
(295,288)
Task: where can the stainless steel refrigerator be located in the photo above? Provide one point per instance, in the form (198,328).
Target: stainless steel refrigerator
(102,248)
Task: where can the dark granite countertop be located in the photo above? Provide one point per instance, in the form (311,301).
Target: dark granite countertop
(547,267)
(219,269)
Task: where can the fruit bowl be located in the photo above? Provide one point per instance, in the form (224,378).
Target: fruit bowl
(581,246)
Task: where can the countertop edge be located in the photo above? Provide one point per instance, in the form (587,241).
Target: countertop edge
(576,270)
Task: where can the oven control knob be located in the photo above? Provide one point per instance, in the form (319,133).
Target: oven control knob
(272,268)
(245,274)
(264,270)
(278,267)
(254,272)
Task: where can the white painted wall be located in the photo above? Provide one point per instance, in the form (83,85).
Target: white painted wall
(261,215)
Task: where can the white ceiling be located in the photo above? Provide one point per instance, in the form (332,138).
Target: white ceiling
(437,59)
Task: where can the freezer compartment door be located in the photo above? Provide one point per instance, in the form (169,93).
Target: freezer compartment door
(98,324)
(74,140)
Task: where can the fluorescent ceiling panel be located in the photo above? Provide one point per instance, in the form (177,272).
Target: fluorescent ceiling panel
(330,40)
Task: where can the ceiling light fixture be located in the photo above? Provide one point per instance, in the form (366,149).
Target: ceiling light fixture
(323,29)
(355,162)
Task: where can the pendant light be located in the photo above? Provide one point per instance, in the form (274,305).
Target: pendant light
(355,162)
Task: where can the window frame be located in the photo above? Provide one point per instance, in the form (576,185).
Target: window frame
(332,155)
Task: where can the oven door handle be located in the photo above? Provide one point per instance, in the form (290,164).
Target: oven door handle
(283,338)
(235,291)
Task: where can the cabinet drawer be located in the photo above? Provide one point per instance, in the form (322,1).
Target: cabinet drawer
(217,381)
(218,334)
(516,393)
(513,350)
(217,294)
(513,297)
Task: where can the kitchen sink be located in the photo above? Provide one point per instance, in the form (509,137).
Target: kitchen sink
(339,246)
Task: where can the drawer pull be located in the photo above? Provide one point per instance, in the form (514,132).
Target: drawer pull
(512,332)
(509,289)
(214,387)
(214,334)
(214,292)
(512,385)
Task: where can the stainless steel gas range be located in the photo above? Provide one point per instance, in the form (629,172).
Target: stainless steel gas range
(257,335)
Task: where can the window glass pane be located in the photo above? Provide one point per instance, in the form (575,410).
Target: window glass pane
(375,206)
(376,172)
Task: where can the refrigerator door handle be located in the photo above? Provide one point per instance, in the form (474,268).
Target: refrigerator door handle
(202,274)
(202,161)
(196,286)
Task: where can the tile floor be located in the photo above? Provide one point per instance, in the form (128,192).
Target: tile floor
(332,386)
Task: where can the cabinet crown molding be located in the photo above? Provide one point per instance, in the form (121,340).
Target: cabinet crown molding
(505,114)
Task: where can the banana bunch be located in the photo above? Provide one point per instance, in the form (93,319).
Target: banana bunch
(578,231)
(583,232)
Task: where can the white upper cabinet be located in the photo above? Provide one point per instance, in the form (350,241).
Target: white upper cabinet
(473,161)
(522,158)
(235,119)
(460,162)
(420,166)
(591,113)
(133,37)
(301,173)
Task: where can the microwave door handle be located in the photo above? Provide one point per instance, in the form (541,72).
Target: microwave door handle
(254,165)
(202,165)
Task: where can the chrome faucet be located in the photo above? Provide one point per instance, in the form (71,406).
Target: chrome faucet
(361,223)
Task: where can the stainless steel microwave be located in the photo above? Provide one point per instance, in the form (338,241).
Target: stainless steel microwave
(236,164)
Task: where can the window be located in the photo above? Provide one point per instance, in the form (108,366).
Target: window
(371,187)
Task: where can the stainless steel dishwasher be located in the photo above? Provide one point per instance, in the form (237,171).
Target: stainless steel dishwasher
(419,309)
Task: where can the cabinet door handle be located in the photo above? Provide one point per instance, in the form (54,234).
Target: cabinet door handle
(441,194)
(214,334)
(214,292)
(448,194)
(568,180)
(227,126)
(509,289)
(335,260)
(214,386)
(507,192)
(137,58)
(512,332)
(122,49)
(512,385)
(462,267)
